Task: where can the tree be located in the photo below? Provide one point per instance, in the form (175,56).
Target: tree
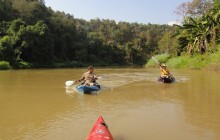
(198,8)
(63,30)
(202,32)
(6,12)
(6,50)
(36,44)
(31,11)
(196,35)
(32,43)
(194,9)
(167,44)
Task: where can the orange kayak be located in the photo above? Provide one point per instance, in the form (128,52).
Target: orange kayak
(100,131)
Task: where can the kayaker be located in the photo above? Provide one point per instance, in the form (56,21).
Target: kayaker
(89,77)
(164,71)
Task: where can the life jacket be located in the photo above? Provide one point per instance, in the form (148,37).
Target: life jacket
(164,72)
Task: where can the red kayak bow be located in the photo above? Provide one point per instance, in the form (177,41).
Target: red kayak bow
(100,131)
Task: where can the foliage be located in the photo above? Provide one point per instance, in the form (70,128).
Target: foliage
(6,49)
(4,65)
(37,36)
(167,44)
(6,11)
(162,58)
(33,35)
(199,31)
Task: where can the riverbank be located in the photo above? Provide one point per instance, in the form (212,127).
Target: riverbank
(208,61)
(4,65)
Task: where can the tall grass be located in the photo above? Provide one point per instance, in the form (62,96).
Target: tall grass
(195,62)
(209,61)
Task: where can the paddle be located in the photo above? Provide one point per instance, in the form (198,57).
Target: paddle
(160,65)
(70,83)
(155,60)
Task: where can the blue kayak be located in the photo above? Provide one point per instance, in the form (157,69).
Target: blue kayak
(87,89)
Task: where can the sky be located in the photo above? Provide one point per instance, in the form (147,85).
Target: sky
(140,11)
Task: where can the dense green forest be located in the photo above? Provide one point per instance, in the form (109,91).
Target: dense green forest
(35,36)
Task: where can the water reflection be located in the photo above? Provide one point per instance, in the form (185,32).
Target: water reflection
(201,103)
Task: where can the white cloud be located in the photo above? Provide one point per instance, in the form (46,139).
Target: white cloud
(174,22)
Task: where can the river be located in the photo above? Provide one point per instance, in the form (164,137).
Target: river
(36,105)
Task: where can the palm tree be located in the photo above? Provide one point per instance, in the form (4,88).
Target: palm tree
(202,32)
(212,19)
(195,33)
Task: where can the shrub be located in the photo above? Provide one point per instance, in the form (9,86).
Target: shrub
(4,65)
(24,65)
(162,58)
(179,62)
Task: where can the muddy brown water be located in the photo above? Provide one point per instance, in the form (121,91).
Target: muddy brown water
(36,105)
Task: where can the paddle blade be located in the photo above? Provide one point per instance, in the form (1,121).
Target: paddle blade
(69,83)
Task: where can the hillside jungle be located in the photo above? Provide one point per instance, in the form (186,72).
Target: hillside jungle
(33,35)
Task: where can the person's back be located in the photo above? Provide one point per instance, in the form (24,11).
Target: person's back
(88,75)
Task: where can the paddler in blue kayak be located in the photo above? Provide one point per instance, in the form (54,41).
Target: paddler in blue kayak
(89,77)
